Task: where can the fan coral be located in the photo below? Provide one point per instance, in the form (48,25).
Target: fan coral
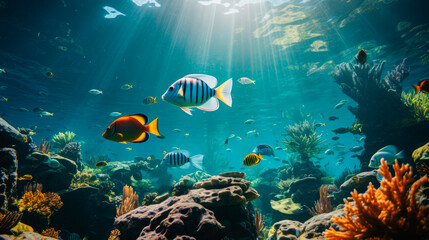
(50,232)
(40,203)
(114,234)
(9,220)
(259,222)
(130,201)
(418,103)
(302,139)
(323,205)
(389,212)
(61,139)
(148,199)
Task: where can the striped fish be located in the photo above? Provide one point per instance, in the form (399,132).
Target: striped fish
(252,160)
(181,159)
(197,90)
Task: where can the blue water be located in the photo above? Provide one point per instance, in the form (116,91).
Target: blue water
(151,47)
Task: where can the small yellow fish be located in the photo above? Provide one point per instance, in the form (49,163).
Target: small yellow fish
(3,99)
(174,182)
(46,114)
(26,177)
(164,152)
(49,74)
(149,158)
(2,70)
(101,164)
(149,100)
(239,138)
(252,160)
(128,149)
(186,135)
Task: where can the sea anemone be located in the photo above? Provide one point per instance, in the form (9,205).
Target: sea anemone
(61,139)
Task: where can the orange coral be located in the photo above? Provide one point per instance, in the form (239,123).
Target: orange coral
(50,232)
(130,201)
(389,212)
(40,203)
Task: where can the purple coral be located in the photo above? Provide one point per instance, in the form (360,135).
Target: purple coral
(72,152)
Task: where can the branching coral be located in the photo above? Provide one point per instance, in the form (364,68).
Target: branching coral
(389,212)
(50,232)
(61,139)
(302,139)
(40,203)
(83,179)
(418,103)
(323,205)
(44,147)
(9,220)
(32,187)
(259,222)
(114,234)
(130,201)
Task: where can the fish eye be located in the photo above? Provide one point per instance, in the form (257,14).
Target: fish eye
(170,88)
(108,129)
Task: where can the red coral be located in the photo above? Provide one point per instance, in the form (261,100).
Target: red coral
(389,212)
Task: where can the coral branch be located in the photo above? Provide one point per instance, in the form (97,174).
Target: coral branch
(323,205)
(389,212)
(130,201)
(259,222)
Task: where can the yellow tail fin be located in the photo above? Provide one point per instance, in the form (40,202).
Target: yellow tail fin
(261,157)
(223,92)
(154,100)
(153,127)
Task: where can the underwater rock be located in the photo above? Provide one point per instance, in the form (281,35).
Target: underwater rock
(285,230)
(313,228)
(287,206)
(26,236)
(161,198)
(214,209)
(270,174)
(233,174)
(12,138)
(305,190)
(305,168)
(359,182)
(8,174)
(85,213)
(72,152)
(54,172)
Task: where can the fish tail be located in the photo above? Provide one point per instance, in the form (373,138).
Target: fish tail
(253,81)
(154,100)
(5,99)
(52,114)
(153,127)
(101,92)
(223,92)
(400,155)
(197,161)
(417,88)
(260,157)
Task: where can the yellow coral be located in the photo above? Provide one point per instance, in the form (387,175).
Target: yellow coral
(21,227)
(50,232)
(61,139)
(83,179)
(114,234)
(418,103)
(40,203)
(389,212)
(421,152)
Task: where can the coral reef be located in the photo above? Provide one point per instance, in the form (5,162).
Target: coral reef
(8,174)
(8,220)
(28,235)
(50,232)
(44,147)
(385,118)
(213,209)
(61,139)
(358,182)
(130,201)
(259,222)
(149,198)
(40,203)
(303,139)
(418,103)
(72,151)
(323,205)
(389,212)
(81,179)
(421,153)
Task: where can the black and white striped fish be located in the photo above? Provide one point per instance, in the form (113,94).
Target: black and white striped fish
(181,159)
(197,90)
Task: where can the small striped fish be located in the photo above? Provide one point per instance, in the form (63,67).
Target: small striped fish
(197,90)
(252,160)
(181,159)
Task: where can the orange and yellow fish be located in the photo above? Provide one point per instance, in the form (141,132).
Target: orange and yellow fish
(252,160)
(132,128)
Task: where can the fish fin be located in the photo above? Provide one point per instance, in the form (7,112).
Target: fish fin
(140,117)
(185,166)
(417,88)
(186,110)
(210,80)
(123,142)
(154,100)
(120,135)
(390,149)
(400,155)
(184,152)
(197,161)
(142,138)
(260,157)
(223,92)
(153,127)
(210,105)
